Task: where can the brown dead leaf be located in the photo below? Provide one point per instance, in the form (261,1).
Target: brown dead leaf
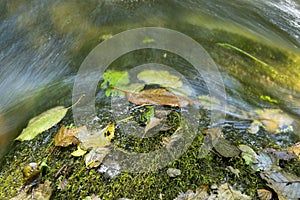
(65,137)
(225,191)
(264,194)
(157,96)
(215,139)
(153,122)
(295,149)
(171,141)
(200,193)
(95,157)
(41,192)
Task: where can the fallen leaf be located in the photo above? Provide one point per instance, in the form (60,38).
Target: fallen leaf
(200,193)
(225,191)
(248,154)
(79,152)
(157,96)
(254,127)
(43,122)
(94,142)
(160,77)
(234,171)
(153,122)
(42,192)
(295,149)
(111,168)
(96,139)
(264,194)
(62,185)
(95,157)
(170,141)
(285,184)
(148,40)
(280,154)
(161,113)
(226,149)
(214,139)
(65,137)
(117,78)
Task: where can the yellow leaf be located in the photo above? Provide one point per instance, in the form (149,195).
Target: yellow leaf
(79,152)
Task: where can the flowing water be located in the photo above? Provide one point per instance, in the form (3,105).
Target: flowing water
(43,43)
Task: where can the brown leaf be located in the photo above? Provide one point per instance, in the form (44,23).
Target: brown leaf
(264,194)
(95,157)
(65,137)
(157,96)
(200,193)
(41,192)
(295,149)
(171,141)
(153,122)
(226,149)
(225,191)
(216,140)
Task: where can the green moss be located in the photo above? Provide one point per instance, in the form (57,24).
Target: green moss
(195,171)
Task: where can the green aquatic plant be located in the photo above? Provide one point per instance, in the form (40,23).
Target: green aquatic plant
(268,99)
(243,52)
(114,78)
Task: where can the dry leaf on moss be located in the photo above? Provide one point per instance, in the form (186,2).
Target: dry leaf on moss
(295,149)
(95,142)
(42,192)
(264,194)
(173,172)
(153,122)
(286,185)
(225,191)
(95,157)
(96,139)
(79,152)
(200,193)
(65,137)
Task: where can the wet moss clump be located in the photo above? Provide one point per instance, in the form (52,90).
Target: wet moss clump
(71,180)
